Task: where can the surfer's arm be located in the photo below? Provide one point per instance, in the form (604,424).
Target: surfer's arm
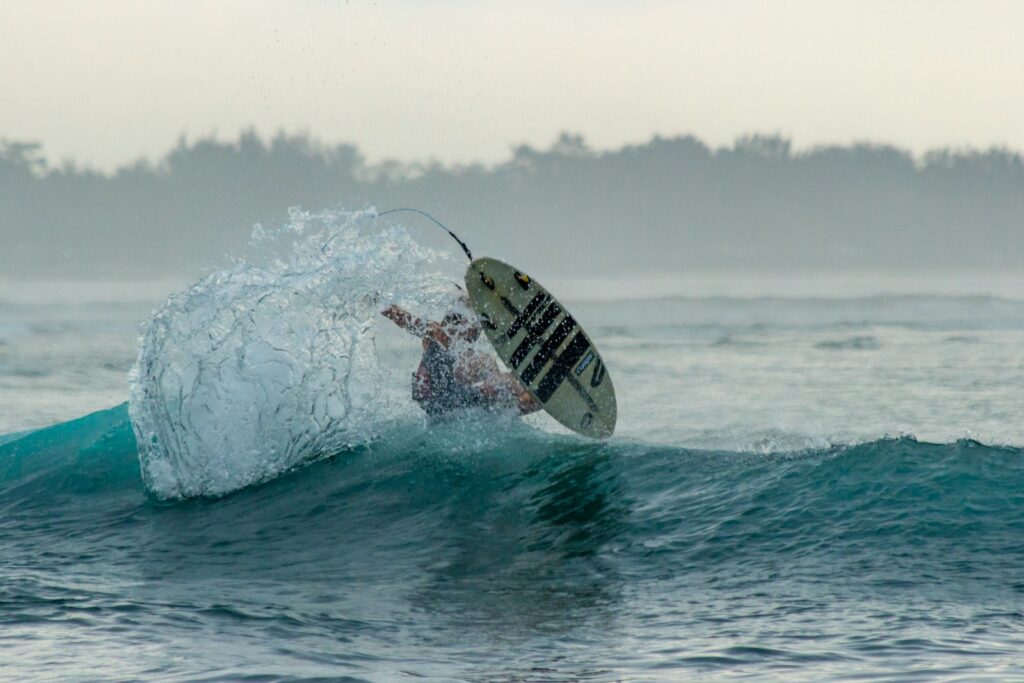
(405,320)
(416,326)
(505,383)
(484,374)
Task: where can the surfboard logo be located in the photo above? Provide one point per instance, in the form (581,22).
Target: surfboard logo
(523,280)
(584,364)
(487,280)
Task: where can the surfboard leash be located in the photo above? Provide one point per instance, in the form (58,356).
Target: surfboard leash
(441,225)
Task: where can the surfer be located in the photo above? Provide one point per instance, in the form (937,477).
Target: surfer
(452,375)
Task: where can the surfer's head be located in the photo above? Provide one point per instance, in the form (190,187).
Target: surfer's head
(460,321)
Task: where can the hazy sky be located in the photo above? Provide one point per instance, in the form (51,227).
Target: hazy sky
(108,81)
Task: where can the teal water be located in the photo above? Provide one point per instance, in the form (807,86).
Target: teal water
(812,485)
(542,559)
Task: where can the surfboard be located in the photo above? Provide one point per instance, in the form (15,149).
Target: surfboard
(543,346)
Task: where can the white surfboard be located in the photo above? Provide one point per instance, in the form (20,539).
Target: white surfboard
(543,346)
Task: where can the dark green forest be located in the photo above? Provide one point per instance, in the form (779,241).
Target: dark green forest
(670,204)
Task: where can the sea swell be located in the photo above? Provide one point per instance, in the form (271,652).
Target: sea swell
(699,503)
(270,504)
(710,560)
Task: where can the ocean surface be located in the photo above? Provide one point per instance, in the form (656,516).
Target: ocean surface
(814,478)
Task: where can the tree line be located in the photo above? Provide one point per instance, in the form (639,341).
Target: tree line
(669,204)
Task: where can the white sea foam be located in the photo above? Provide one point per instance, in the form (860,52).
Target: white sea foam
(271,362)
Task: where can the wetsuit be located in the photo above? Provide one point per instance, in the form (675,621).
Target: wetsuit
(435,387)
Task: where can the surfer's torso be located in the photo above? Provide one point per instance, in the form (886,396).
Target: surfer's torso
(436,386)
(453,375)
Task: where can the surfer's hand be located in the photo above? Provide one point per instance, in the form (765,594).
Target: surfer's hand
(527,403)
(405,320)
(396,315)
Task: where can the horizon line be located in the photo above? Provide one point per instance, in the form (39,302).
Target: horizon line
(567,143)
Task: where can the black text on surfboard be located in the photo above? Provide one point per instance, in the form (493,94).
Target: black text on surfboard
(547,352)
(534,333)
(527,314)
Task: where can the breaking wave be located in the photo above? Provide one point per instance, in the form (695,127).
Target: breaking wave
(271,362)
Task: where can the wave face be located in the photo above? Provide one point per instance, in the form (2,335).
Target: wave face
(271,363)
(584,560)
